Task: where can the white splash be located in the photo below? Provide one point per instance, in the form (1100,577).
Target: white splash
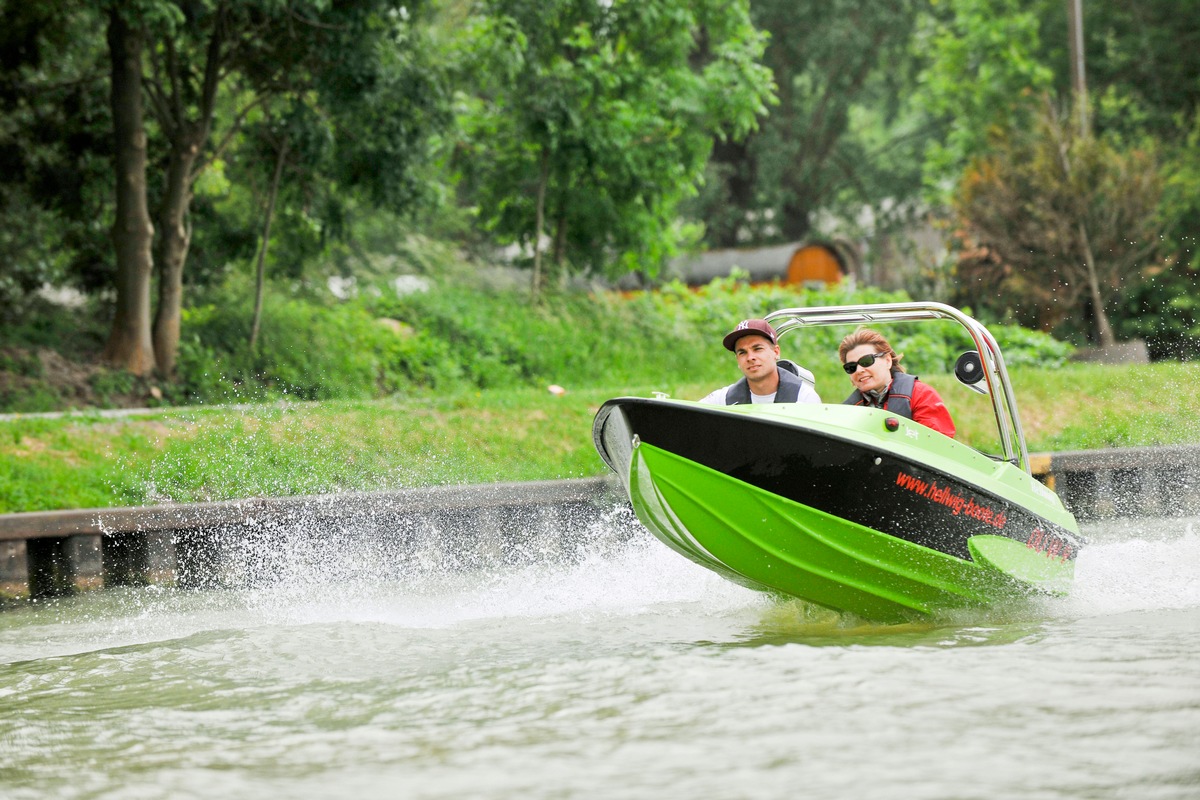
(614,568)
(1145,565)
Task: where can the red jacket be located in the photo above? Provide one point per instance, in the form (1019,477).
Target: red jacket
(921,404)
(929,410)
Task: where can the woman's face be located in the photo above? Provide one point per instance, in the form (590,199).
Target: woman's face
(872,378)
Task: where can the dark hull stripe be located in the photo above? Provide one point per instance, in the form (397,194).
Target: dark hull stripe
(871,487)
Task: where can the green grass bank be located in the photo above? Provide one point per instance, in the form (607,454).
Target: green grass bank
(449,385)
(479,436)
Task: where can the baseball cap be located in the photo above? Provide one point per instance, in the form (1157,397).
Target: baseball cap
(750,327)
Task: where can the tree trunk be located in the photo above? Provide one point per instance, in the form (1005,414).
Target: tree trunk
(722,229)
(543,179)
(1104,331)
(260,270)
(560,249)
(1078,70)
(187,136)
(174,240)
(129,344)
(795,224)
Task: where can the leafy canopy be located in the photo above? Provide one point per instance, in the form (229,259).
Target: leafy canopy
(1057,219)
(608,112)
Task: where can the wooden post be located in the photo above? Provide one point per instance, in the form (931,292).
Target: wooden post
(200,559)
(51,571)
(139,559)
(124,560)
(14,570)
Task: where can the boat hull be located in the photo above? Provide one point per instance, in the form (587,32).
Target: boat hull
(849,508)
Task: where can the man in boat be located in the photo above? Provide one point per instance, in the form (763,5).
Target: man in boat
(766,377)
(880,381)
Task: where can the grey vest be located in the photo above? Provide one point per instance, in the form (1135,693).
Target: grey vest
(788,391)
(899,398)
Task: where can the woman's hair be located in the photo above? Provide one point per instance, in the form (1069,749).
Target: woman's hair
(875,340)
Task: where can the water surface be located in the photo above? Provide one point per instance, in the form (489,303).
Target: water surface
(620,671)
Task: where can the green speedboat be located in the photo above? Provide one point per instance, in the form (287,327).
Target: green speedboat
(853,508)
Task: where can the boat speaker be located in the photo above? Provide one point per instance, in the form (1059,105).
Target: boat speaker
(969,371)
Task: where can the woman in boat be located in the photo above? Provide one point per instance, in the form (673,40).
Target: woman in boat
(765,377)
(880,381)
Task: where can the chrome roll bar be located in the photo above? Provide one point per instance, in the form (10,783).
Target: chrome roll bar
(999,388)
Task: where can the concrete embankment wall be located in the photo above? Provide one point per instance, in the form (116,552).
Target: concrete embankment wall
(46,554)
(1124,482)
(238,542)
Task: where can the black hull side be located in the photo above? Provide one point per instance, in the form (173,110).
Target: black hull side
(868,485)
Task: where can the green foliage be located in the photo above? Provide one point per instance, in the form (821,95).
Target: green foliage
(54,130)
(843,135)
(1023,347)
(1143,50)
(25,237)
(1165,310)
(33,398)
(457,337)
(595,120)
(23,363)
(497,339)
(77,329)
(306,352)
(986,72)
(1053,219)
(110,382)
(665,336)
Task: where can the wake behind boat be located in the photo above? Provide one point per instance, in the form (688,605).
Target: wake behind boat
(854,508)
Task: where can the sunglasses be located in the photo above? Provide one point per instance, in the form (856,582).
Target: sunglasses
(852,366)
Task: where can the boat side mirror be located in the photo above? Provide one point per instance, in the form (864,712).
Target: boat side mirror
(969,371)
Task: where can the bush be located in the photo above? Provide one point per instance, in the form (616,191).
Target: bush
(1023,347)
(74,330)
(1165,311)
(21,362)
(305,351)
(109,383)
(30,398)
(457,337)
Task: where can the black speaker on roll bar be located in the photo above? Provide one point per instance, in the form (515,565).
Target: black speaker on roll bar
(969,371)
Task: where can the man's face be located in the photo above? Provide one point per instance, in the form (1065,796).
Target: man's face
(756,356)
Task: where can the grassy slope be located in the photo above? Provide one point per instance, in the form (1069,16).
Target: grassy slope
(512,435)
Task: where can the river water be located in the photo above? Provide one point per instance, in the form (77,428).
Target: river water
(621,671)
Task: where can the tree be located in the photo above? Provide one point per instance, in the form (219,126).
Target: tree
(841,137)
(1165,310)
(55,150)
(1055,218)
(1141,53)
(593,120)
(129,343)
(986,74)
(251,51)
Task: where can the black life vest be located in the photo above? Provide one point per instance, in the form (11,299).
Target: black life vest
(899,397)
(788,391)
